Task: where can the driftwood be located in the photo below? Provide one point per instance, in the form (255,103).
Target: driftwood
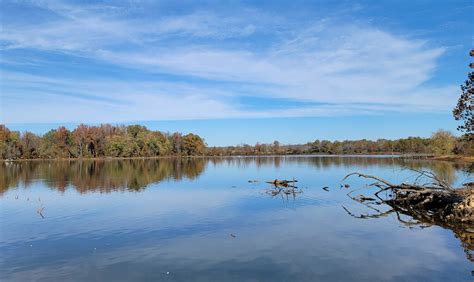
(427,201)
(283,183)
(283,187)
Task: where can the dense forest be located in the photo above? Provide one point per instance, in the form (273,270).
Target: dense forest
(97,142)
(138,141)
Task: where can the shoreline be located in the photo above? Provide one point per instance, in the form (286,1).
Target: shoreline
(448,158)
(453,158)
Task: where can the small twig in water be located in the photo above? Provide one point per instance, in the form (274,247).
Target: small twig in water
(40,211)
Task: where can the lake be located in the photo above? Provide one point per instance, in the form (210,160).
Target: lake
(200,219)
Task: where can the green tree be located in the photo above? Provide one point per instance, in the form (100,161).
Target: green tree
(442,142)
(134,130)
(122,146)
(48,148)
(464,110)
(336,148)
(276,147)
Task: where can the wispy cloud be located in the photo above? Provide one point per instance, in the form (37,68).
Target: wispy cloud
(213,59)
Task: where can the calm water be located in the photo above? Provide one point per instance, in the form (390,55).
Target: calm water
(201,220)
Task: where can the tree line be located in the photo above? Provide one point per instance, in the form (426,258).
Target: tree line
(440,143)
(138,141)
(97,142)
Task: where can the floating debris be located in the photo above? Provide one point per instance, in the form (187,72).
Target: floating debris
(284,183)
(281,187)
(232,235)
(253,181)
(325,188)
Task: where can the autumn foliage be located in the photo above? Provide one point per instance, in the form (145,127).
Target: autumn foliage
(440,143)
(137,141)
(96,142)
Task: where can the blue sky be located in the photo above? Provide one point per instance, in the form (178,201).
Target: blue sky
(239,71)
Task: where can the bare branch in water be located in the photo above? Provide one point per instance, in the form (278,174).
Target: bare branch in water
(433,202)
(368,176)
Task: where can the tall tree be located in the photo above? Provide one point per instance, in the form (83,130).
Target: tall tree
(63,142)
(79,137)
(29,144)
(176,143)
(464,110)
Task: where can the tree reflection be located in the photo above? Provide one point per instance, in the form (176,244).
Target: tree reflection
(444,170)
(463,231)
(99,175)
(136,174)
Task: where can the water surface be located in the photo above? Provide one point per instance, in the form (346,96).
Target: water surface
(202,220)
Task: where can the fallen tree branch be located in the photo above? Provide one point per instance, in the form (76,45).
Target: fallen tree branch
(368,176)
(434,202)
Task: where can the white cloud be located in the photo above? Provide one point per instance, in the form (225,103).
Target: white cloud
(352,68)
